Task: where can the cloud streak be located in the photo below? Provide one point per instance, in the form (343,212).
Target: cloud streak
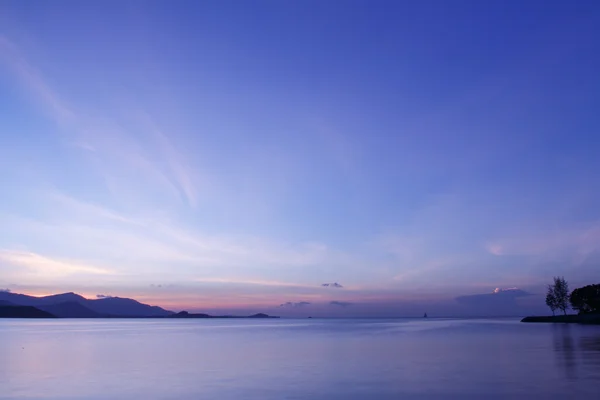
(48,267)
(295,305)
(237,281)
(105,144)
(340,303)
(12,56)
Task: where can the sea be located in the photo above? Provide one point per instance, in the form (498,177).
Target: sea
(225,359)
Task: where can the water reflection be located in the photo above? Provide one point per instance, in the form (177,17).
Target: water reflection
(590,355)
(577,351)
(327,359)
(591,344)
(565,350)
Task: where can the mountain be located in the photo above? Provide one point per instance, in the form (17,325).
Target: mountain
(123,307)
(72,305)
(70,309)
(25,300)
(23,312)
(261,315)
(6,303)
(62,298)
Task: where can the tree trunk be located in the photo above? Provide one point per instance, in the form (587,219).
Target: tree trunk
(553,313)
(565,311)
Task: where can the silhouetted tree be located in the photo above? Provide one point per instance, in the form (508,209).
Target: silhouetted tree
(586,299)
(550,299)
(560,291)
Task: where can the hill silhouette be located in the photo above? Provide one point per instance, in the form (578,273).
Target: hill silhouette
(12,311)
(70,309)
(185,314)
(72,305)
(124,307)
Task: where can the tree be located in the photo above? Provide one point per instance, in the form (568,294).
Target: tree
(550,299)
(586,299)
(560,291)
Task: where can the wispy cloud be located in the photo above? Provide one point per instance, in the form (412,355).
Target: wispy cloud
(296,304)
(181,174)
(46,266)
(136,223)
(332,285)
(11,55)
(237,281)
(340,303)
(109,145)
(583,240)
(142,245)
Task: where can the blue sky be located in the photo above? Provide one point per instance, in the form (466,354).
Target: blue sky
(237,155)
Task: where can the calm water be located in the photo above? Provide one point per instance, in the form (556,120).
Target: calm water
(296,359)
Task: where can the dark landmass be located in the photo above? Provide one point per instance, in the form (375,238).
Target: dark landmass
(23,312)
(185,314)
(123,307)
(592,319)
(70,309)
(261,315)
(72,305)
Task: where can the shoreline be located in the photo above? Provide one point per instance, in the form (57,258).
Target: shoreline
(587,319)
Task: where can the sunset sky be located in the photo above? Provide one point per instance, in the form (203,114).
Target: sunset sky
(237,155)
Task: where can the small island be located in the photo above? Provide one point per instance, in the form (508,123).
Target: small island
(185,314)
(586,300)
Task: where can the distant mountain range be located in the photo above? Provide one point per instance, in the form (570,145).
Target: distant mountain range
(72,305)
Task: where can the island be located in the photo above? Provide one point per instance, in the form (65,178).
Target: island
(72,305)
(586,300)
(185,314)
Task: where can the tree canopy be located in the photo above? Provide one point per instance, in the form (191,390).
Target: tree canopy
(586,299)
(550,299)
(557,297)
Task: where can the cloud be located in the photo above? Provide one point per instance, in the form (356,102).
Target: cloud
(332,285)
(32,79)
(46,266)
(5,290)
(103,233)
(550,244)
(500,290)
(340,303)
(143,149)
(258,282)
(497,298)
(298,304)
(180,174)
(103,296)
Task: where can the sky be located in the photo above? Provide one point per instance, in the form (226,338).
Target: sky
(235,156)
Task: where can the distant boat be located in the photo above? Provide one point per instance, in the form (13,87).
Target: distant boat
(425,316)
